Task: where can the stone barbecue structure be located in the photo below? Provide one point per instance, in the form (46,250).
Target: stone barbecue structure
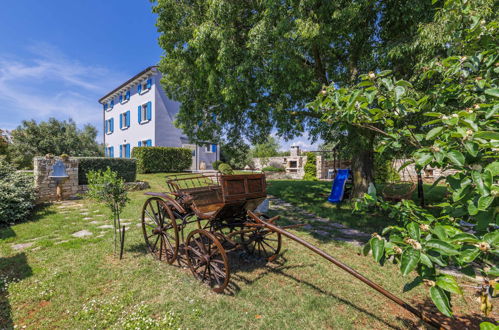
(46,187)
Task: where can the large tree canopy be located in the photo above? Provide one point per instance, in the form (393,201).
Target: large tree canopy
(51,137)
(249,66)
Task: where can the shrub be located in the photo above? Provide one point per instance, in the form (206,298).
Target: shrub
(225,169)
(17,194)
(310,167)
(126,168)
(384,171)
(162,159)
(272,169)
(216,164)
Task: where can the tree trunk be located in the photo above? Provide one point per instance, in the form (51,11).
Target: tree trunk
(362,171)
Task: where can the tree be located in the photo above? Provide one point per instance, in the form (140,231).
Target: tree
(459,97)
(55,137)
(268,148)
(236,154)
(4,144)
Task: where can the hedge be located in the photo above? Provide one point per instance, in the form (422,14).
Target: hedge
(162,159)
(17,195)
(125,167)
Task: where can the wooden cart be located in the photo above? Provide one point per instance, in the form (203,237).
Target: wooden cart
(218,207)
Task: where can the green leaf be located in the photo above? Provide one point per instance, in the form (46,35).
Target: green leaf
(440,300)
(492,238)
(468,255)
(440,232)
(493,168)
(472,148)
(384,73)
(464,238)
(366,248)
(492,92)
(433,114)
(477,178)
(494,271)
(434,132)
(413,230)
(456,157)
(378,248)
(426,261)
(472,208)
(399,92)
(403,83)
(487,135)
(441,247)
(423,159)
(484,202)
(488,326)
(449,283)
(409,261)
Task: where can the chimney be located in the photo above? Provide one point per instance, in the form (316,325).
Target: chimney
(295,151)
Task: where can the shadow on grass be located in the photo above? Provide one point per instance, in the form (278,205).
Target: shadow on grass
(13,268)
(470,321)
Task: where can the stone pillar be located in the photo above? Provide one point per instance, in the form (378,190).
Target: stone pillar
(46,187)
(320,167)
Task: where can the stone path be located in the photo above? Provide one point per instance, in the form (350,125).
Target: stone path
(319,226)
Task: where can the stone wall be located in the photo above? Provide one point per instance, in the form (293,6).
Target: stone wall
(429,174)
(46,187)
(292,165)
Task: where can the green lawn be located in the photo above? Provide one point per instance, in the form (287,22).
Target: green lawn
(60,281)
(312,196)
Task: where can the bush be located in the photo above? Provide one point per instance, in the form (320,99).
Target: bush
(216,164)
(384,171)
(17,194)
(162,159)
(126,168)
(272,169)
(310,167)
(225,169)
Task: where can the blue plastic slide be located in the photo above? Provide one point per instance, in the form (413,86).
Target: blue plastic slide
(339,186)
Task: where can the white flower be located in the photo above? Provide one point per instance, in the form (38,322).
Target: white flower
(371,75)
(455,115)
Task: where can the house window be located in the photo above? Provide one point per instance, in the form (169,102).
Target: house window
(145,143)
(125,150)
(144,86)
(125,96)
(143,116)
(109,126)
(110,152)
(207,148)
(125,120)
(145,112)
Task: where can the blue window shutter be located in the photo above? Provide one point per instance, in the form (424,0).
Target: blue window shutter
(105,106)
(105,126)
(127,150)
(149,110)
(149,83)
(112,103)
(213,148)
(121,98)
(121,151)
(112,151)
(139,88)
(127,95)
(149,143)
(112,125)
(139,112)
(128,118)
(140,143)
(121,121)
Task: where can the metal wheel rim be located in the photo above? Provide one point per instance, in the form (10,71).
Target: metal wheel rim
(160,230)
(207,259)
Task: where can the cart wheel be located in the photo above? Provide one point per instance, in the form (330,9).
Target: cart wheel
(262,243)
(207,259)
(160,229)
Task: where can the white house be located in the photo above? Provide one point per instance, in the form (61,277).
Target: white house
(138,113)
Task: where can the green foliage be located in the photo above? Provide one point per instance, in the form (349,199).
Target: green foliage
(272,169)
(4,144)
(310,167)
(225,169)
(268,148)
(107,187)
(460,101)
(17,194)
(216,164)
(235,153)
(383,170)
(162,159)
(56,137)
(125,168)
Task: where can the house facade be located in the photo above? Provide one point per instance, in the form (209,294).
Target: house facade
(138,113)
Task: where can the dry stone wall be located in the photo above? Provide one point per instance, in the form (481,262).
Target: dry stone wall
(46,187)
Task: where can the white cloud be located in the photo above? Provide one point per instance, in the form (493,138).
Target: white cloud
(49,84)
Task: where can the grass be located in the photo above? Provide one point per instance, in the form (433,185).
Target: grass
(60,281)
(312,197)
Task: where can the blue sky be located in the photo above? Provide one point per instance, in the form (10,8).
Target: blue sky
(57,57)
